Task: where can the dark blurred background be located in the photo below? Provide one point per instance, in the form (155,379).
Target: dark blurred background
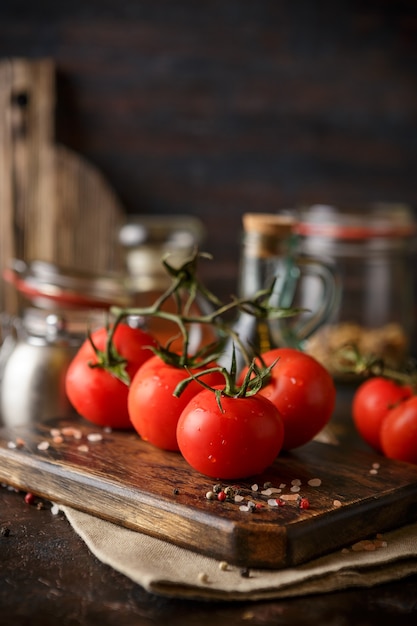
(219,107)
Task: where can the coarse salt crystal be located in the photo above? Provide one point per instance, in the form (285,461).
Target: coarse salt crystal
(70,431)
(94,437)
(83,448)
(12,445)
(289,497)
(270,491)
(363,546)
(295,488)
(239,498)
(43,445)
(337,503)
(314,482)
(255,487)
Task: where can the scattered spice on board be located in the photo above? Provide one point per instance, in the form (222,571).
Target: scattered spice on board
(374,469)
(59,435)
(255,498)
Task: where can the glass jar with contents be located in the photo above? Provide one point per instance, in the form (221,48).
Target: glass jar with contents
(147,240)
(372,248)
(270,260)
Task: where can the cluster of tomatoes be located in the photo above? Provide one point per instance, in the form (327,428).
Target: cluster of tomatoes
(236,437)
(385,415)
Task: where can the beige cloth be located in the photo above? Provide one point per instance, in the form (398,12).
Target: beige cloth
(166,569)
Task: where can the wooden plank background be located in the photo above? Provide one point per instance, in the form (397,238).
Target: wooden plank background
(219,107)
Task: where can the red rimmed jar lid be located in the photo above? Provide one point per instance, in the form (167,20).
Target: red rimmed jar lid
(377,220)
(47,285)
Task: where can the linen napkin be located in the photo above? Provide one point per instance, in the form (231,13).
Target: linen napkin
(165,569)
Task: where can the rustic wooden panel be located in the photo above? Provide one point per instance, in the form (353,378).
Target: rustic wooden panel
(127,481)
(55,205)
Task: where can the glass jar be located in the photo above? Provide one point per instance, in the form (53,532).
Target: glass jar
(271,261)
(59,306)
(372,248)
(147,240)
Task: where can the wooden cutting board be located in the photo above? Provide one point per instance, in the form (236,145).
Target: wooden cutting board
(129,482)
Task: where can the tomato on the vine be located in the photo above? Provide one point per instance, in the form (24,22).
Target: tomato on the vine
(96,392)
(154,410)
(372,402)
(398,435)
(303,392)
(239,440)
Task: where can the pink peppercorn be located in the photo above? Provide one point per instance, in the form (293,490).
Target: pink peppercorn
(221,496)
(29,498)
(304,503)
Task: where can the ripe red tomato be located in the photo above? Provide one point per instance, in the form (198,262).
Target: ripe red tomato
(154,410)
(240,441)
(303,392)
(371,403)
(95,393)
(398,433)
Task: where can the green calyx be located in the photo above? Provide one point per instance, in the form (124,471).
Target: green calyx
(255,378)
(349,360)
(109,359)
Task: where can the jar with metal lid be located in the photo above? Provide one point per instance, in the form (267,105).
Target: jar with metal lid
(373,250)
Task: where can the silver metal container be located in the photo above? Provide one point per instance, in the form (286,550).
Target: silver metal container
(34,358)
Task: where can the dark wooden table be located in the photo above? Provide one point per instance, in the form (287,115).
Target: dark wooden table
(48,576)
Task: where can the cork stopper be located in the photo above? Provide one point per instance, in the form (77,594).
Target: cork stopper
(269,224)
(267,234)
